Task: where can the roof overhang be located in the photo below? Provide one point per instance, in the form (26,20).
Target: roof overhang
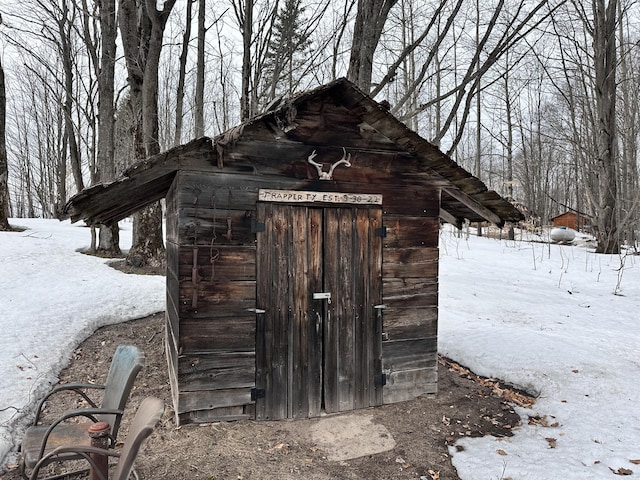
(464,197)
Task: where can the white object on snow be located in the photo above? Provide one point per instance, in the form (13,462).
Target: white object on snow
(562,234)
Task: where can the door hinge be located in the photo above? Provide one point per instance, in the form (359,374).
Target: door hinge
(257,393)
(380,379)
(257,227)
(381,232)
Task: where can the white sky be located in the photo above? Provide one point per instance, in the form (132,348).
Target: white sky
(541,317)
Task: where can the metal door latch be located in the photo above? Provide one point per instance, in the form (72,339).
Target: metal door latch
(322,296)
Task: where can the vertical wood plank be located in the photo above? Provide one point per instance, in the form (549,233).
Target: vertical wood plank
(349,293)
(330,327)
(263,298)
(376,314)
(339,281)
(297,345)
(314,311)
(360,294)
(305,279)
(279,391)
(272,333)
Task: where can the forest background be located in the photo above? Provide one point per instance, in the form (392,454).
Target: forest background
(538,99)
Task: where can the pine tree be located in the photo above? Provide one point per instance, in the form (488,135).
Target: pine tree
(289,50)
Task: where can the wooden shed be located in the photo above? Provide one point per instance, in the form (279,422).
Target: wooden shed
(302,257)
(571,220)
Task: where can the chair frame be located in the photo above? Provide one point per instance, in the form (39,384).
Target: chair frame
(147,417)
(126,363)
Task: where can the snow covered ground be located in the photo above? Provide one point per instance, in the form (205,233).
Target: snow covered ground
(545,318)
(559,321)
(51,299)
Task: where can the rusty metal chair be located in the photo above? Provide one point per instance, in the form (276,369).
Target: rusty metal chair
(147,417)
(39,440)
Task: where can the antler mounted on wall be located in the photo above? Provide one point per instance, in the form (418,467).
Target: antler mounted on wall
(345,160)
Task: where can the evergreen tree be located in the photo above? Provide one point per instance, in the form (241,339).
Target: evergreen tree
(289,50)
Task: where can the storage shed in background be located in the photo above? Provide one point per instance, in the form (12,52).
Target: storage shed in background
(302,257)
(573,220)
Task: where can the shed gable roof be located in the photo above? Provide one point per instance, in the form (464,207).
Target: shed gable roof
(298,124)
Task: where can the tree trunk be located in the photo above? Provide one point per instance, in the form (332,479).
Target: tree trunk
(337,38)
(509,146)
(142,28)
(65,27)
(199,100)
(186,38)
(247,33)
(629,133)
(4,166)
(109,235)
(370,20)
(604,44)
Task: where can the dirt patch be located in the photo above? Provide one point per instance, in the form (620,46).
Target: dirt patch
(408,440)
(124,267)
(345,437)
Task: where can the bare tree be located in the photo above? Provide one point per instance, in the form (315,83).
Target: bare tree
(64,19)
(590,94)
(100,43)
(605,59)
(370,19)
(39,142)
(142,27)
(629,130)
(222,112)
(244,14)
(186,38)
(199,96)
(109,234)
(340,26)
(4,166)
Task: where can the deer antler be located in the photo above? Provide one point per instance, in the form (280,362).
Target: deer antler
(315,164)
(328,175)
(344,160)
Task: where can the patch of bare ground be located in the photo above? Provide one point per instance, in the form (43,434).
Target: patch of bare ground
(423,429)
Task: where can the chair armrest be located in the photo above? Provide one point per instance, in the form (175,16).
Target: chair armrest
(89,413)
(82,450)
(76,387)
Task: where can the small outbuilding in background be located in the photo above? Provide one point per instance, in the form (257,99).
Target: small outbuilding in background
(573,220)
(302,257)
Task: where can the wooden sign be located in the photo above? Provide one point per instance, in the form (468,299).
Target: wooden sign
(298,196)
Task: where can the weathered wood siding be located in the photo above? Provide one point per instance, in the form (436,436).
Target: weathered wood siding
(211,285)
(211,334)
(410,296)
(172,315)
(211,277)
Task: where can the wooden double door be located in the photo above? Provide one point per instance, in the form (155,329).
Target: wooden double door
(319,290)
